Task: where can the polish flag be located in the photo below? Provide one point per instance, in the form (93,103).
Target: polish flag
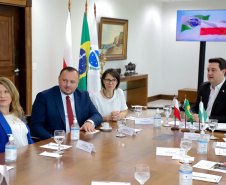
(213,28)
(68,57)
(176,108)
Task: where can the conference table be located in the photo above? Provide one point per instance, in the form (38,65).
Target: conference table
(114,160)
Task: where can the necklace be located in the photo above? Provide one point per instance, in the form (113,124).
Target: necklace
(107,96)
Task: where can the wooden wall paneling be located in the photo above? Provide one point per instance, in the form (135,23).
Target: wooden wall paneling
(21,3)
(28,56)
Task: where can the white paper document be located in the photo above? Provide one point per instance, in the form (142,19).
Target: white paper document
(50,154)
(224,139)
(208,165)
(179,157)
(220,151)
(169,151)
(220,144)
(221,126)
(7,167)
(54,146)
(109,183)
(5,174)
(96,131)
(83,145)
(194,136)
(206,177)
(137,130)
(128,131)
(144,121)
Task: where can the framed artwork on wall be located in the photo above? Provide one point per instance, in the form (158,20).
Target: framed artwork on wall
(113,38)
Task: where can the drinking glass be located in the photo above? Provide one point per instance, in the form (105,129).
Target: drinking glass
(213,124)
(59,136)
(167,111)
(186,144)
(142,173)
(120,124)
(138,110)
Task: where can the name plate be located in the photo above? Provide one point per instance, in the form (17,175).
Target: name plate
(194,136)
(169,151)
(144,121)
(128,131)
(83,145)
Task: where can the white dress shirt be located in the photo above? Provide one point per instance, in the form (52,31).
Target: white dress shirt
(19,130)
(212,97)
(71,96)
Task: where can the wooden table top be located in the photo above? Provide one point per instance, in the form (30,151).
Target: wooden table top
(114,160)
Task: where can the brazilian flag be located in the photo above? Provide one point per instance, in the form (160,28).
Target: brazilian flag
(84,55)
(188,111)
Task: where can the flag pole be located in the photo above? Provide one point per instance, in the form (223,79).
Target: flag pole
(86,8)
(175,125)
(199,130)
(69,6)
(185,121)
(95,10)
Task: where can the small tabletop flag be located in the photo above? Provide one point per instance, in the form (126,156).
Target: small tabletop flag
(188,110)
(202,113)
(176,108)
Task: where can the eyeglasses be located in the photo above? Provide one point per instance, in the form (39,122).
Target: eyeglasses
(109,81)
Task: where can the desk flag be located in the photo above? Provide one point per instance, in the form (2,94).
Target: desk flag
(188,110)
(176,108)
(84,55)
(202,113)
(68,57)
(93,74)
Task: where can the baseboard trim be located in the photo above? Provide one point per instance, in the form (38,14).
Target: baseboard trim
(160,96)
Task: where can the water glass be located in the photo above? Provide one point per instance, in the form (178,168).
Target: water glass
(142,173)
(213,124)
(59,137)
(167,111)
(120,124)
(138,110)
(186,144)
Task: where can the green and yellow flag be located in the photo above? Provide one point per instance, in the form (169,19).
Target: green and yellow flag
(84,55)
(188,110)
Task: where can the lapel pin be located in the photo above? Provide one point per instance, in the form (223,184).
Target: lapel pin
(222,90)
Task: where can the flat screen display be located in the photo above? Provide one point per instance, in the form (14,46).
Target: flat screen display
(201,25)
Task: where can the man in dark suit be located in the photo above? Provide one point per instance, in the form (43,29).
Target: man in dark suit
(213,92)
(49,111)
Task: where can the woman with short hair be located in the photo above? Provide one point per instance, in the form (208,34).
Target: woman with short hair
(110,101)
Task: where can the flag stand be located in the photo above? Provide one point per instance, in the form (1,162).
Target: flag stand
(185,129)
(198,131)
(175,125)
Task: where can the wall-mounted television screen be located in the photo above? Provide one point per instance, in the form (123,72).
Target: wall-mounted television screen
(201,25)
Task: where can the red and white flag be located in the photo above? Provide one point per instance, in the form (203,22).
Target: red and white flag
(68,57)
(213,28)
(176,108)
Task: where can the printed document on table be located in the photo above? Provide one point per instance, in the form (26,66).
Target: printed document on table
(206,177)
(144,121)
(54,146)
(220,151)
(208,165)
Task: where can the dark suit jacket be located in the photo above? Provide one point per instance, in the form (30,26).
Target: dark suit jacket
(5,129)
(219,105)
(48,112)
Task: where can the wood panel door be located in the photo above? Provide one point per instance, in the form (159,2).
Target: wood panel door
(15,49)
